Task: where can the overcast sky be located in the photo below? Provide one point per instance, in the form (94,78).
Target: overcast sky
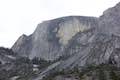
(19,17)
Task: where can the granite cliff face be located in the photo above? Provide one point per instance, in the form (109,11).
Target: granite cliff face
(110,20)
(51,37)
(74,41)
(74,35)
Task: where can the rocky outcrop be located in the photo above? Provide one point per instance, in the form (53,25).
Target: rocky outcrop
(100,72)
(74,41)
(54,38)
(102,49)
(6,55)
(51,37)
(110,20)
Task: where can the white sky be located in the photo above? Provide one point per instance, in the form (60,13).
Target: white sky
(19,17)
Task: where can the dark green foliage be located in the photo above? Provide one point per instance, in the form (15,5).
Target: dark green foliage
(20,66)
(41,62)
(102,71)
(23,70)
(3,75)
(0,62)
(6,51)
(22,60)
(63,57)
(114,75)
(54,74)
(99,72)
(35,60)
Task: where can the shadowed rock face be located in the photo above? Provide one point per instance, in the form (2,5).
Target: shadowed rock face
(50,37)
(6,55)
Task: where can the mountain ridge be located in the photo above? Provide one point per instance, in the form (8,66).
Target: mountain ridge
(74,41)
(56,34)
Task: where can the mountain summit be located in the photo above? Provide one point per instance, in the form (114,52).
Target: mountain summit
(51,37)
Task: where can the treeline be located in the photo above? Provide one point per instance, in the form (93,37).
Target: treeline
(6,51)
